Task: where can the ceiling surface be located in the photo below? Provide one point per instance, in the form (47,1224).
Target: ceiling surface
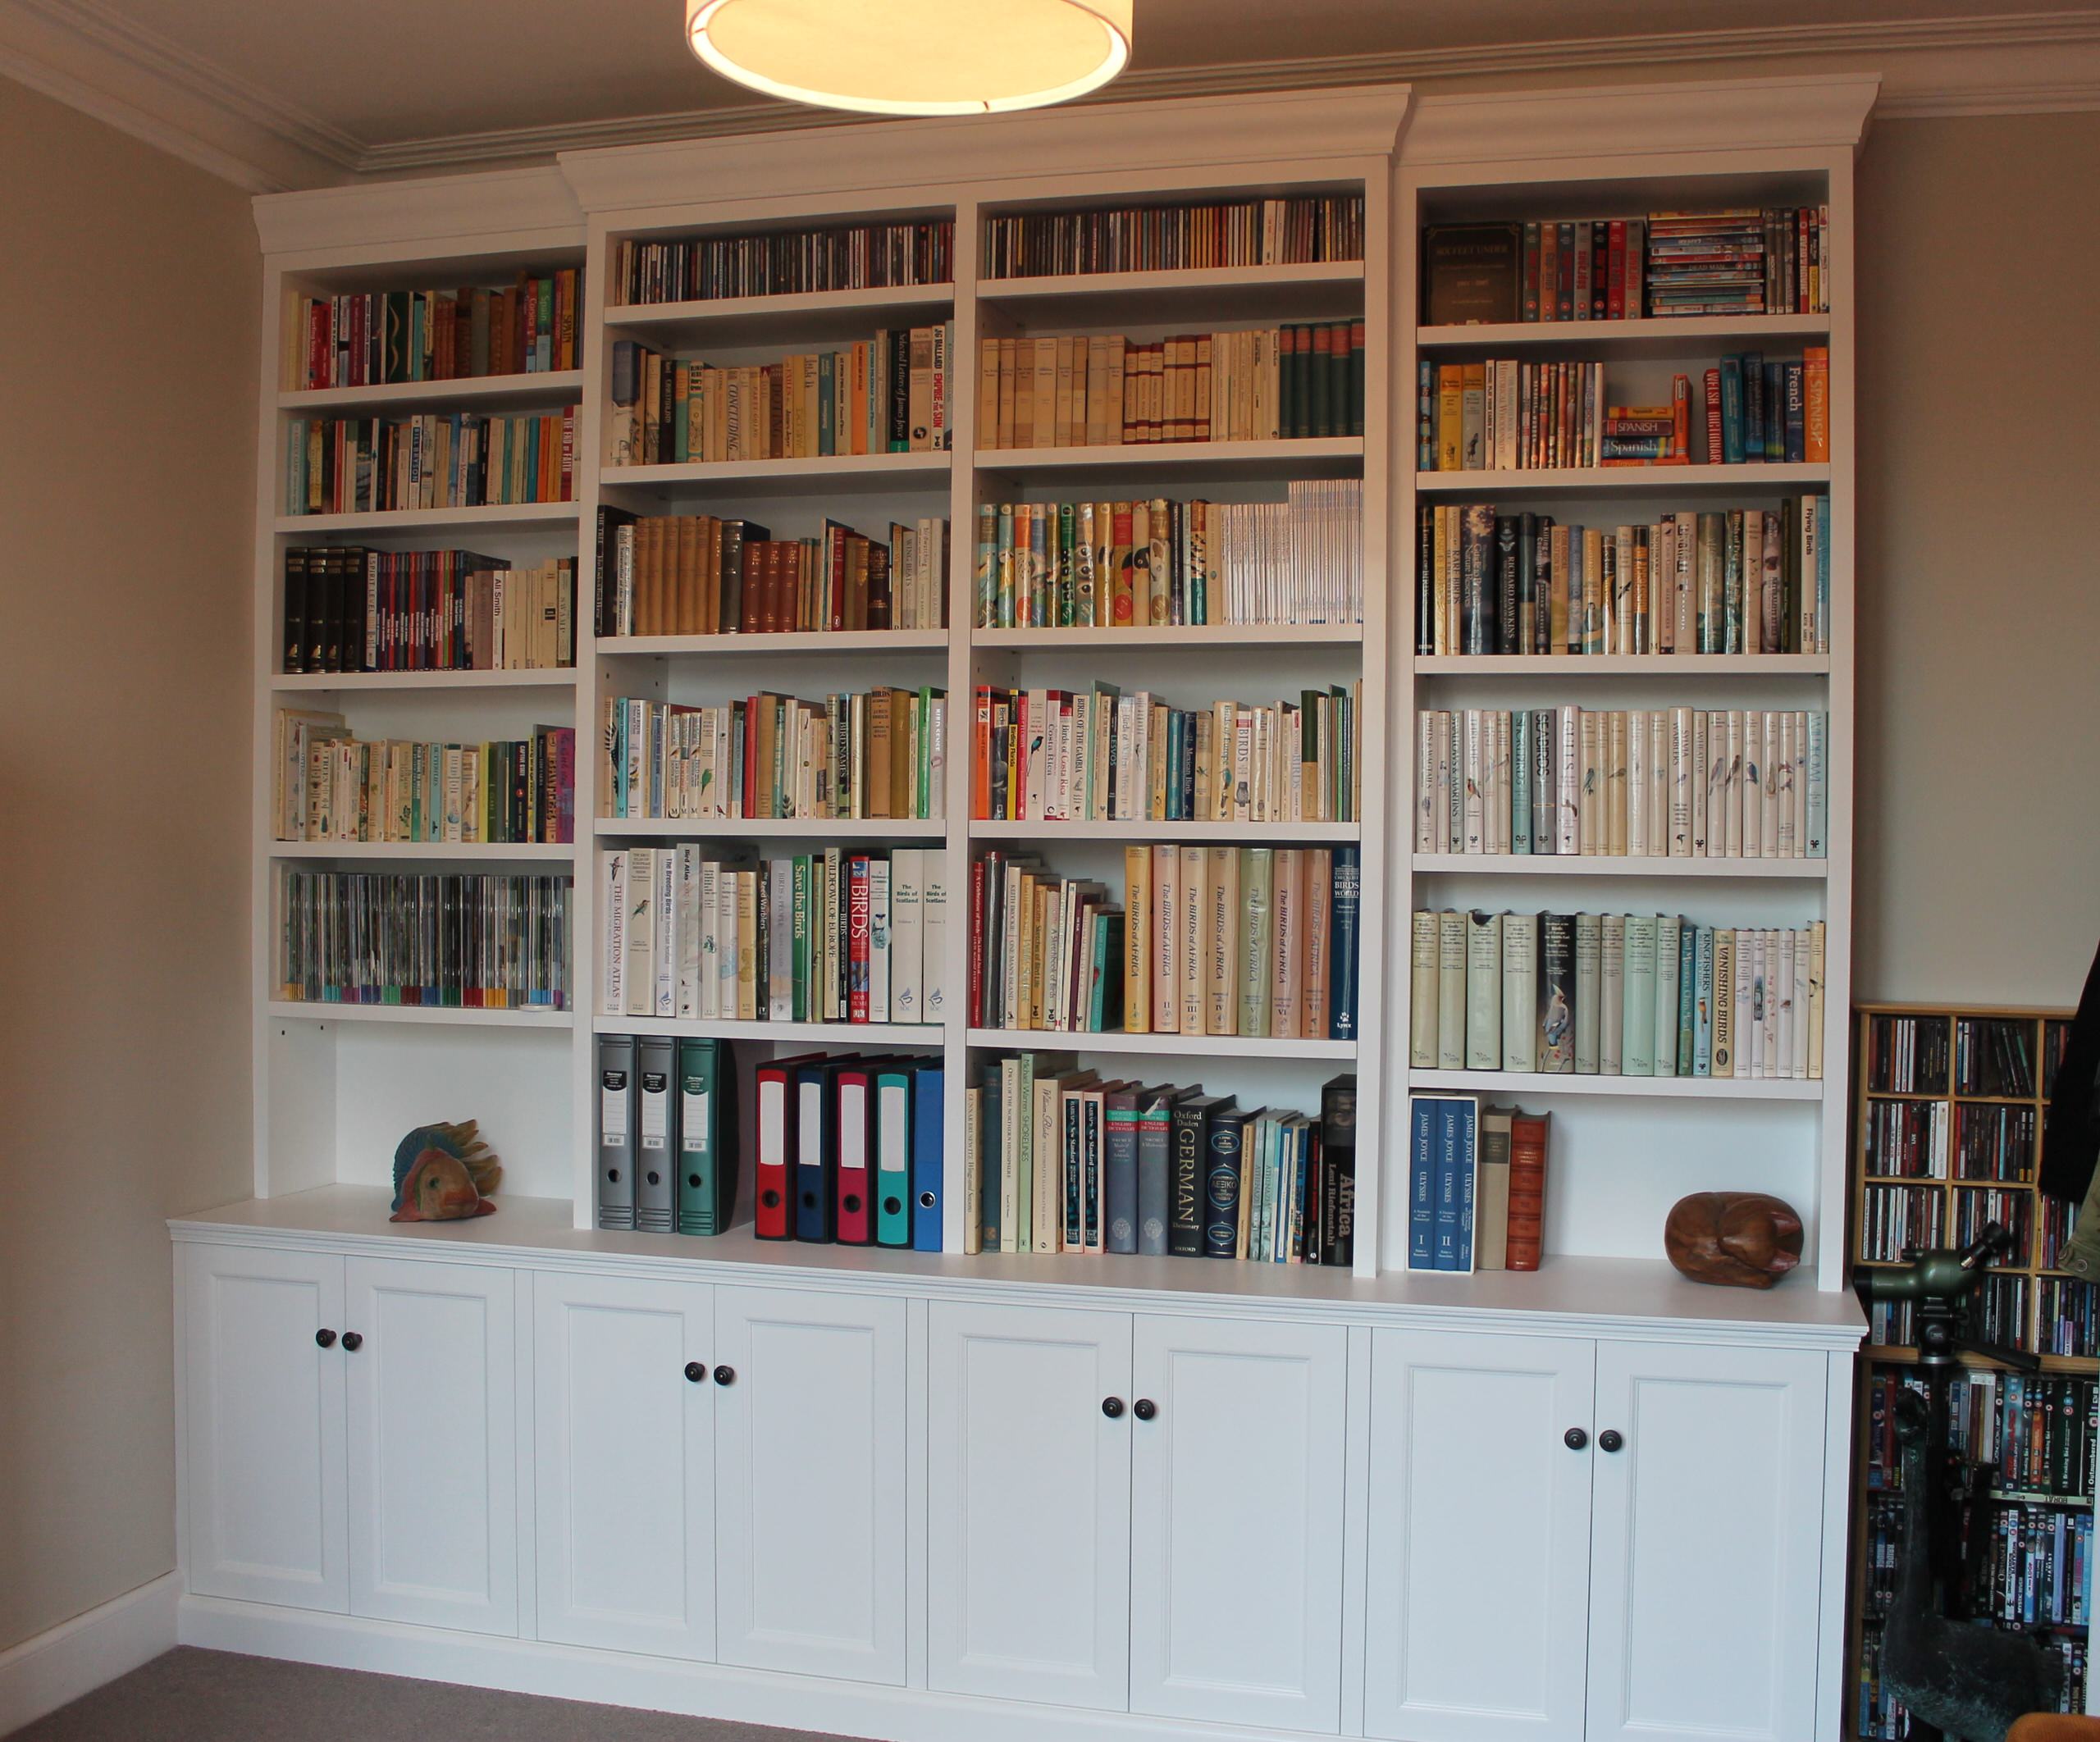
(399,85)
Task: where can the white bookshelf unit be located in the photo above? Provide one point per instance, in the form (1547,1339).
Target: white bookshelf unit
(1402,1429)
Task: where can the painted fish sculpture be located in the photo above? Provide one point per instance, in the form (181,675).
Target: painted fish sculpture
(444,1173)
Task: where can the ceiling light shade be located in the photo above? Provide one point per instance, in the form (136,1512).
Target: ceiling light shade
(914,57)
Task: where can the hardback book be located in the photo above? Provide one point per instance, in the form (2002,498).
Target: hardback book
(1520,992)
(1528,1164)
(1471,274)
(1457,1131)
(1451,959)
(1557,993)
(1225,1180)
(1664,1025)
(1155,1168)
(1589,992)
(1423,999)
(1611,997)
(1491,1192)
(1186,1185)
(1337,1189)
(1483,991)
(1638,1024)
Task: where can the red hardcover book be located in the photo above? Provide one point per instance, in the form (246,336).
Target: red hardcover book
(750,756)
(854,1122)
(1713,384)
(977,875)
(856,938)
(1528,1140)
(980,755)
(1615,273)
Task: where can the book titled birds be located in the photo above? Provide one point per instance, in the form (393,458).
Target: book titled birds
(435,460)
(329,785)
(377,338)
(829,936)
(703,574)
(437,941)
(1734,580)
(1076,390)
(1476,1185)
(784,262)
(1151,562)
(1298,230)
(886,395)
(1622,783)
(1057,1159)
(347,610)
(1259,942)
(877,755)
(1054,755)
(1615,995)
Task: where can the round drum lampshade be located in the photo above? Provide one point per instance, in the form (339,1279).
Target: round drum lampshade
(914,57)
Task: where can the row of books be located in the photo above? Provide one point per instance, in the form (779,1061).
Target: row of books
(2034,1432)
(886,395)
(1994,1057)
(1123,564)
(1503,414)
(1729,580)
(1908,1139)
(1252,941)
(1622,783)
(1893,1218)
(329,785)
(1268,383)
(1476,1185)
(1055,756)
(879,753)
(1615,995)
(1745,260)
(2031,1567)
(848,1149)
(1907,1055)
(700,574)
(381,337)
(830,935)
(432,940)
(1291,230)
(667,1140)
(1057,1159)
(348,610)
(784,262)
(2066,1316)
(435,460)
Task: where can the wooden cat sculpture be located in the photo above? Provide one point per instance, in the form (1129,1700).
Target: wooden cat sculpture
(1733,1239)
(444,1173)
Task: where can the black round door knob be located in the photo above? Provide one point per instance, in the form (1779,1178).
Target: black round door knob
(1575,1438)
(696,1371)
(1111,1407)
(1144,1409)
(1610,1440)
(725,1375)
(326,1338)
(353,1341)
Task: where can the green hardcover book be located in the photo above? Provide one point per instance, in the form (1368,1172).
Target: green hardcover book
(707,1135)
(1257,869)
(827,404)
(543,328)
(1637,1034)
(799,929)
(1338,381)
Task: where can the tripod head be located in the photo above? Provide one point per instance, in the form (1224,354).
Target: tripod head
(1939,1283)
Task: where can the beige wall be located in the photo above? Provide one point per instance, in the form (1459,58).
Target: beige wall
(1980,592)
(129,285)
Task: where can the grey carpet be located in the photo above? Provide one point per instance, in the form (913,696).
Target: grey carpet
(187,1695)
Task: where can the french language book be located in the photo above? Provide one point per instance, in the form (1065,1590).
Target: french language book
(1293,230)
(376,338)
(784,262)
(433,460)
(349,609)
(329,785)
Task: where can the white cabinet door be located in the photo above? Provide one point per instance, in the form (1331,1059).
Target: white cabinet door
(1471,1469)
(264,1403)
(623,1462)
(809,1482)
(1236,1521)
(433,1442)
(1029,1486)
(1706,1541)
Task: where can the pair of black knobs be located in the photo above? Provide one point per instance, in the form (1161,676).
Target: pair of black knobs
(351,1340)
(696,1371)
(1144,1409)
(1610,1440)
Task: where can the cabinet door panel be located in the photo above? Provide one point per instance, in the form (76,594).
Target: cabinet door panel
(1470,1471)
(1029,1483)
(1236,1521)
(433,1443)
(264,1408)
(623,1463)
(1706,1543)
(809,1483)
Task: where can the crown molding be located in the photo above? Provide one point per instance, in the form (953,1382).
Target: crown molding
(488,211)
(1307,125)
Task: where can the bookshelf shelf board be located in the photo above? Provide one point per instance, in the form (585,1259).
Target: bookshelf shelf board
(1318,291)
(520,516)
(1320,457)
(1191,636)
(1703,336)
(772,828)
(887,1034)
(545,387)
(443,1016)
(1242,834)
(857,472)
(1186,1046)
(1691,1088)
(542,678)
(1914,1094)
(1626,481)
(492,852)
(745,646)
(1898,1356)
(1674,666)
(813,314)
(1600,864)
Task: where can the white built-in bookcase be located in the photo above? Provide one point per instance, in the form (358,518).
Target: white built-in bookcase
(335,1087)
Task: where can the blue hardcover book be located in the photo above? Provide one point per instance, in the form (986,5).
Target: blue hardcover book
(1753,407)
(929,1111)
(1794,443)
(1732,418)
(1467,1171)
(1421,1185)
(1223,1181)
(1341,943)
(1687,1001)
(1702,1032)
(1521,753)
(1446,1249)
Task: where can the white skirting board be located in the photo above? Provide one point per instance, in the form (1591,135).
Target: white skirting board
(891,1714)
(55,1667)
